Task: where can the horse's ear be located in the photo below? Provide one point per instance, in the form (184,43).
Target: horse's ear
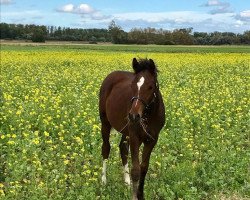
(152,66)
(135,64)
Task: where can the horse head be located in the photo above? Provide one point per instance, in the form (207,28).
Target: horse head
(144,88)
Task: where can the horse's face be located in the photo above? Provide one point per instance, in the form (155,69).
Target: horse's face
(143,88)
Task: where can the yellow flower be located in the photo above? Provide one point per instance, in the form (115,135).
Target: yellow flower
(96,127)
(2,192)
(41,184)
(18,112)
(66,162)
(63,156)
(36,141)
(46,133)
(79,140)
(49,142)
(10,142)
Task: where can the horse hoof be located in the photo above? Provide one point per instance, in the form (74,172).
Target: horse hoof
(140,198)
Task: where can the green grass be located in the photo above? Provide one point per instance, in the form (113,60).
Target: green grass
(129,48)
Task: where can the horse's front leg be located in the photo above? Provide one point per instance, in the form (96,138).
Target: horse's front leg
(147,149)
(135,170)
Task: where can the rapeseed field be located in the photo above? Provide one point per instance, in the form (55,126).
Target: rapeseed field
(50,141)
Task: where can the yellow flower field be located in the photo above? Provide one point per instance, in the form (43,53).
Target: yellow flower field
(50,142)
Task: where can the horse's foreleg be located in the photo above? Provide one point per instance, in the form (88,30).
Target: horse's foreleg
(135,171)
(105,149)
(124,149)
(147,149)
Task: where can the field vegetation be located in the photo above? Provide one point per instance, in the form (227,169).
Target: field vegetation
(50,141)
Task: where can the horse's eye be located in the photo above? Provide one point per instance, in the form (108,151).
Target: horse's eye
(150,87)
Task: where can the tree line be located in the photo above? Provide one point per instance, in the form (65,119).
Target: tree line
(38,33)
(117,35)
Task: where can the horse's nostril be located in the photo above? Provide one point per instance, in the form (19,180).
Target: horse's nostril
(134,117)
(131,117)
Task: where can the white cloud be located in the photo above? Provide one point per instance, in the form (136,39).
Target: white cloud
(245,14)
(67,8)
(173,17)
(80,9)
(99,16)
(173,20)
(239,23)
(220,18)
(200,21)
(213,3)
(5,2)
(218,7)
(84,10)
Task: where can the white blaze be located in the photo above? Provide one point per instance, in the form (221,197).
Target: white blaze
(139,84)
(104,169)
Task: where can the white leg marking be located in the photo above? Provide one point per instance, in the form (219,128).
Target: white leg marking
(104,169)
(126,174)
(139,84)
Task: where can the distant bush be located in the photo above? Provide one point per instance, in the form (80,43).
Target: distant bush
(38,36)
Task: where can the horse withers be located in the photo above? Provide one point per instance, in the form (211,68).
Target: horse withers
(132,104)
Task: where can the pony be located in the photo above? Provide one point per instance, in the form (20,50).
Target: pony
(132,104)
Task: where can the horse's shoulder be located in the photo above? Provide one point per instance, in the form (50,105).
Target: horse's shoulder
(116,78)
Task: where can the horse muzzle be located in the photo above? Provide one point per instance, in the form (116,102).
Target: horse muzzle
(134,118)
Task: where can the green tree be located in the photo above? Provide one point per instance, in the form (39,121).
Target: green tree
(246,37)
(117,34)
(38,35)
(183,36)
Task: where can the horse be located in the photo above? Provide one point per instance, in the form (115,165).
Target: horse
(132,104)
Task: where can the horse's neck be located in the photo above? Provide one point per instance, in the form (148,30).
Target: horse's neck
(154,107)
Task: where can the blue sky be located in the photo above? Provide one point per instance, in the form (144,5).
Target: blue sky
(202,15)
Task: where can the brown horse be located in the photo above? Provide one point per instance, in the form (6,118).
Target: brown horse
(132,104)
